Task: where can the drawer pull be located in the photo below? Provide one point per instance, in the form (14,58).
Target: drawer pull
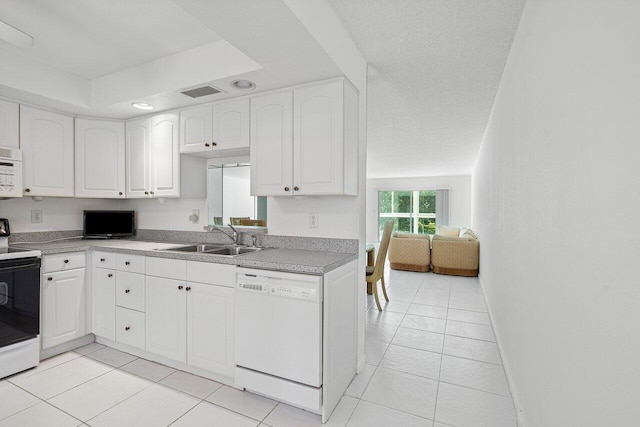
(49,278)
(188,288)
(126,328)
(180,287)
(102,260)
(66,261)
(110,275)
(126,291)
(127,263)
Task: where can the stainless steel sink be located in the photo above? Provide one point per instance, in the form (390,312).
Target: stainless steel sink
(215,249)
(196,248)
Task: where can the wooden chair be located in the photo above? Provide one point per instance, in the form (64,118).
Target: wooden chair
(236,220)
(253,222)
(376,273)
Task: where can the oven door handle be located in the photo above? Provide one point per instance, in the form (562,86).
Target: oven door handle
(20,267)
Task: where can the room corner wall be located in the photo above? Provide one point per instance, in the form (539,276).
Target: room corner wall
(555,204)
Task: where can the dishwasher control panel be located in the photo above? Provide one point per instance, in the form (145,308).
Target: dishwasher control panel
(289,285)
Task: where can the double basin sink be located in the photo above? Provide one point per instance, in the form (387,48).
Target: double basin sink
(215,249)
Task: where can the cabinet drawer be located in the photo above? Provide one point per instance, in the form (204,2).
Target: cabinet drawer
(211,273)
(168,268)
(62,262)
(130,327)
(128,262)
(130,290)
(104,260)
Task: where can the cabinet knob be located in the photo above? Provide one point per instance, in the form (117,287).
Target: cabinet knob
(127,263)
(151,192)
(49,278)
(110,275)
(126,291)
(296,188)
(126,328)
(66,261)
(180,287)
(102,260)
(119,193)
(146,193)
(286,188)
(215,144)
(188,288)
(206,144)
(27,190)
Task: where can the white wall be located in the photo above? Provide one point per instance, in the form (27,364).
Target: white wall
(556,206)
(459,187)
(58,214)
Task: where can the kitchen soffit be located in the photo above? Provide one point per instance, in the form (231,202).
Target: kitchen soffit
(99,56)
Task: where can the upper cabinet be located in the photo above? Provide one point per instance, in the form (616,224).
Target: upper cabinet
(214,129)
(8,124)
(100,159)
(305,141)
(152,157)
(46,140)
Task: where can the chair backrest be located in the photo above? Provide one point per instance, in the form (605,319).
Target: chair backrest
(236,220)
(382,251)
(253,222)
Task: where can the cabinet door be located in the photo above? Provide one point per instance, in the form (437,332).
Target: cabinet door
(100,159)
(104,302)
(8,124)
(271,144)
(318,139)
(165,317)
(210,327)
(195,129)
(165,155)
(231,125)
(46,140)
(137,158)
(63,307)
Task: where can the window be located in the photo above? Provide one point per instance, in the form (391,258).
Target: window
(413,211)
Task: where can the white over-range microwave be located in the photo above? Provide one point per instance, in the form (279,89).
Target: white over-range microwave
(10,172)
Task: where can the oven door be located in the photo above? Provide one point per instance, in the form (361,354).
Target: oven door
(19,300)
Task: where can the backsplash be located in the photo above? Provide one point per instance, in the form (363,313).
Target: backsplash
(262,239)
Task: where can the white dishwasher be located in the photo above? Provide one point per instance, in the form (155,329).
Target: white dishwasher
(278,340)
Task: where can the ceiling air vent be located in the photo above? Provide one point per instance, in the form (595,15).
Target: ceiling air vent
(199,92)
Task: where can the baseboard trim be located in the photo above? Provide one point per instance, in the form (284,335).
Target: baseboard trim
(510,383)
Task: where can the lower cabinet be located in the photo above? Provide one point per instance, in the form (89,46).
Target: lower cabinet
(191,323)
(63,306)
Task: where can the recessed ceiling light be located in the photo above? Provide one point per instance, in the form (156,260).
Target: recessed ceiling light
(243,84)
(142,106)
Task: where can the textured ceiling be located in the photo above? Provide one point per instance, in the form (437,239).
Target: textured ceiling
(434,70)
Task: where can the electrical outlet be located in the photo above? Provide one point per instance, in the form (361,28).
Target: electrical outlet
(36,216)
(313,220)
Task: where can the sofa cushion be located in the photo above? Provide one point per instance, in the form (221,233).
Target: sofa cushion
(467,232)
(409,235)
(448,231)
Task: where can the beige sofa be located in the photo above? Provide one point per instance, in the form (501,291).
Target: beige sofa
(455,251)
(410,252)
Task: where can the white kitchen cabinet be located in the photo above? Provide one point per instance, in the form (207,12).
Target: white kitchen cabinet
(100,159)
(305,141)
(9,124)
(104,302)
(46,140)
(210,329)
(272,144)
(152,157)
(166,318)
(191,322)
(63,306)
(215,128)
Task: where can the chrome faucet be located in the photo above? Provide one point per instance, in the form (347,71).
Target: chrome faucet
(234,236)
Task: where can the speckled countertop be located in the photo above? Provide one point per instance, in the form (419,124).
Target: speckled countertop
(290,260)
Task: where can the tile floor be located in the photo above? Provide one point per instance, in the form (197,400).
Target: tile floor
(432,361)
